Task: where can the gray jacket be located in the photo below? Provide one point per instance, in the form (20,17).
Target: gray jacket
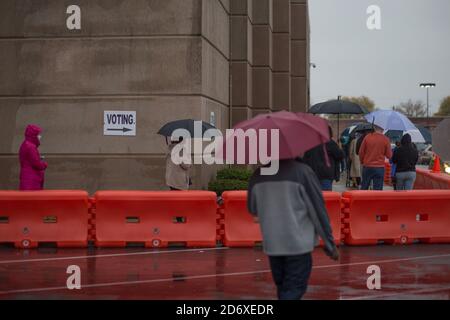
(291,210)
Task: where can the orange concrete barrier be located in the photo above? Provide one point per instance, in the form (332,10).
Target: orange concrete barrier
(30,218)
(399,217)
(427,180)
(155,219)
(419,184)
(240,230)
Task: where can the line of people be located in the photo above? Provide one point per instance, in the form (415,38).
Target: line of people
(365,158)
(33,166)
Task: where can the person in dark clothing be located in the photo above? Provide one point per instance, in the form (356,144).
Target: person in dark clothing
(345,146)
(291,210)
(405,158)
(315,158)
(394,167)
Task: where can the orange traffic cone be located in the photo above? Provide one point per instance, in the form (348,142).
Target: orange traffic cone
(437,165)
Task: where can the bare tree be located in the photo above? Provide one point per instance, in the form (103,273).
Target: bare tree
(362,101)
(415,109)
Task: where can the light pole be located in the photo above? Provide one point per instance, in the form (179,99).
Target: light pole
(312,65)
(428,86)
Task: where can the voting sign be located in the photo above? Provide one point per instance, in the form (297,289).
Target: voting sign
(119,123)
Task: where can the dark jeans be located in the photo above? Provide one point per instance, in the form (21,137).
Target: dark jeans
(291,275)
(327,185)
(370,174)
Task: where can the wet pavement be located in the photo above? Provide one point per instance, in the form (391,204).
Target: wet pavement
(407,272)
(341,187)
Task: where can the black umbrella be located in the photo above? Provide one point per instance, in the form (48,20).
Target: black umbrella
(187,124)
(363,127)
(338,107)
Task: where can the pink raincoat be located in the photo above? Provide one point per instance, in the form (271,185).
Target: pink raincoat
(32,168)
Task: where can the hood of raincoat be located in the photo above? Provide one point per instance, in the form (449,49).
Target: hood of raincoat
(31,134)
(406,140)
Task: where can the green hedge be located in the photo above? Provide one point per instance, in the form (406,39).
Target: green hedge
(230,179)
(234,174)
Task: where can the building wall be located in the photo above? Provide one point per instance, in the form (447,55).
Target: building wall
(269,57)
(165,59)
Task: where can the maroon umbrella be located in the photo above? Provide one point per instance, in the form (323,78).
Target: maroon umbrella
(297,133)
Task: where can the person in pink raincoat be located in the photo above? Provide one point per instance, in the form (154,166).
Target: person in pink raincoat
(32,168)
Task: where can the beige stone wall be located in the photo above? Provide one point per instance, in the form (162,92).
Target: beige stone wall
(164,59)
(269,57)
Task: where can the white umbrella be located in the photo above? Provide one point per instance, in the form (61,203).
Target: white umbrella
(390,120)
(416,135)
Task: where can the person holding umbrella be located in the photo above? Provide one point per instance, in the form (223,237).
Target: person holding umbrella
(178,175)
(390,120)
(393,121)
(289,204)
(315,158)
(338,107)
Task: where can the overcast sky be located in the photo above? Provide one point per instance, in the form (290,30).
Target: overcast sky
(387,65)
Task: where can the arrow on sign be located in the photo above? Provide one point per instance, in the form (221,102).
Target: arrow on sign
(123,130)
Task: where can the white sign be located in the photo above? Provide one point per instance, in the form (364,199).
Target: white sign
(119,123)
